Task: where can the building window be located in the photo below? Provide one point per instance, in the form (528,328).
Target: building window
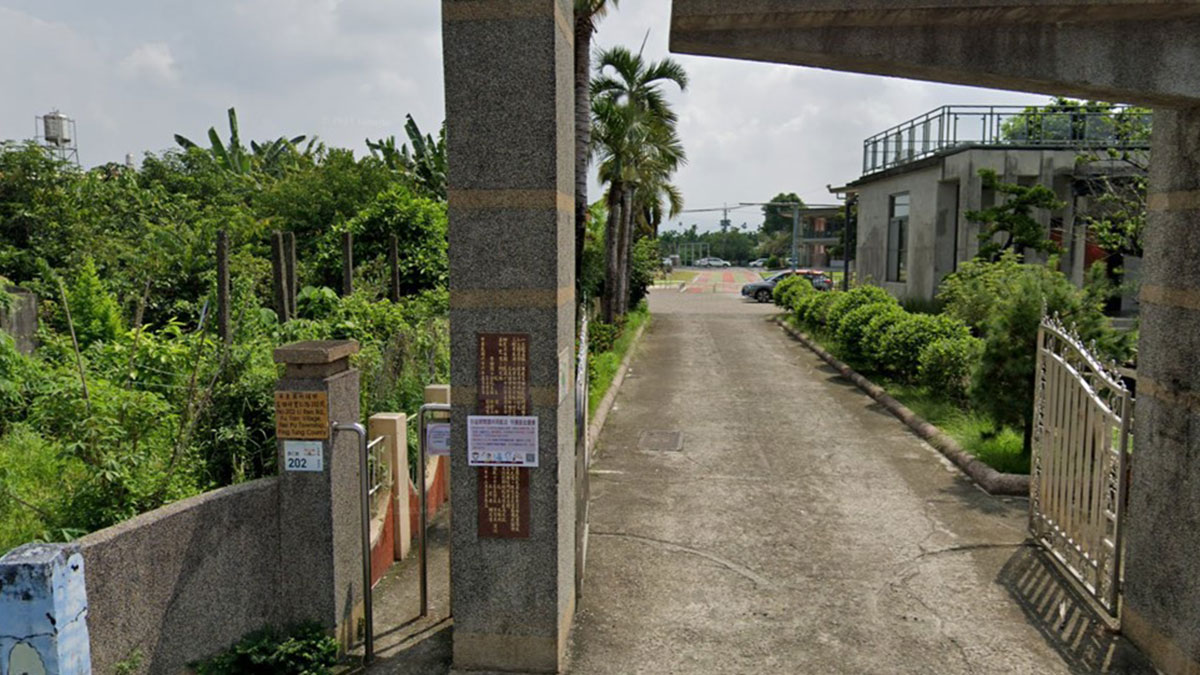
(897,259)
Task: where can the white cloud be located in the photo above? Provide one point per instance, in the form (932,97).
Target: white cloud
(350,69)
(152,61)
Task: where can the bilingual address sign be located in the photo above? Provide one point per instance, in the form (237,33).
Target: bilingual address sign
(302,415)
(503,390)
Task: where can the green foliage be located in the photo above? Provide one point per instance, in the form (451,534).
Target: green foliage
(774,262)
(299,650)
(644,265)
(418,222)
(425,167)
(852,327)
(591,268)
(131,664)
(1012,220)
(603,364)
(853,299)
(778,219)
(978,288)
(902,345)
(790,289)
(314,303)
(602,336)
(947,365)
(1008,319)
(875,331)
(812,309)
(94,313)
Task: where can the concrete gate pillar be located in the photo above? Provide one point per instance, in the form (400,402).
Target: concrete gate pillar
(320,524)
(510,130)
(1162,596)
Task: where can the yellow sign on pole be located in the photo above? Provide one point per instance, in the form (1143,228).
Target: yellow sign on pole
(302,415)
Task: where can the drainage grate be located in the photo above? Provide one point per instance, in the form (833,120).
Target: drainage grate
(661,441)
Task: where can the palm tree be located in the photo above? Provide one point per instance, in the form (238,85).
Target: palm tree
(587,14)
(639,150)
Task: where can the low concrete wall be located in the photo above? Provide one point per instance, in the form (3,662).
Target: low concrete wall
(21,320)
(185,581)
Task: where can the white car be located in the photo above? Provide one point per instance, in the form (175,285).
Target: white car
(712,262)
(761,262)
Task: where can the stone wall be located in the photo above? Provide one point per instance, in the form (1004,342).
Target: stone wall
(185,581)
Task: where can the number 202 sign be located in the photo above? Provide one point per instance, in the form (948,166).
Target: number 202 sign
(303,456)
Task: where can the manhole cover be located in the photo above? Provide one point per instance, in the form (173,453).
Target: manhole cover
(661,441)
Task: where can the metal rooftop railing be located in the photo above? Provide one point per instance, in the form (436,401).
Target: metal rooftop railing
(956,127)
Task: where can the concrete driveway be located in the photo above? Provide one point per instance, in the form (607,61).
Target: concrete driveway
(752,512)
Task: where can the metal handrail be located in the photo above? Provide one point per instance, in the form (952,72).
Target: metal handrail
(959,126)
(365,506)
(376,461)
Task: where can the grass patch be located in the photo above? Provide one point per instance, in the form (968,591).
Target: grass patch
(971,429)
(602,367)
(678,276)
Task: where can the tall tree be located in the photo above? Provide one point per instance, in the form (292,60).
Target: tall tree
(778,219)
(587,14)
(638,146)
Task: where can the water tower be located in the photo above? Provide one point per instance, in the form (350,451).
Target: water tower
(56,132)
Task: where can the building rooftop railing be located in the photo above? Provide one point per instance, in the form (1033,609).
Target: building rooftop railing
(956,127)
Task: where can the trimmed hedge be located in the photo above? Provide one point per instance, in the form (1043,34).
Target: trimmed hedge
(789,290)
(872,335)
(811,309)
(854,325)
(853,299)
(902,345)
(947,365)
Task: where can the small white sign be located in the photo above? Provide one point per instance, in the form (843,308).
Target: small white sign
(437,439)
(303,456)
(502,441)
(565,366)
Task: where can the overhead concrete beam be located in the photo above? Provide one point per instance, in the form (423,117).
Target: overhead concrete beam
(1143,51)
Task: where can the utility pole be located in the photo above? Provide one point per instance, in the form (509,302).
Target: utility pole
(795,236)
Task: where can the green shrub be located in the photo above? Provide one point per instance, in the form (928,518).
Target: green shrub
(902,345)
(314,303)
(977,289)
(418,222)
(601,336)
(817,309)
(854,325)
(873,334)
(853,299)
(300,650)
(947,365)
(644,264)
(95,313)
(788,290)
(774,263)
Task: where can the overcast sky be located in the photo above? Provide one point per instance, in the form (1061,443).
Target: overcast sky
(133,73)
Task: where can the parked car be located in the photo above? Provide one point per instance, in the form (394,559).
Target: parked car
(761,262)
(764,290)
(712,262)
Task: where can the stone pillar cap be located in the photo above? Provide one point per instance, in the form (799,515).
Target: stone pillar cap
(316,352)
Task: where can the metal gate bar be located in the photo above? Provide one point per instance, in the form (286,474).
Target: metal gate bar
(1079,473)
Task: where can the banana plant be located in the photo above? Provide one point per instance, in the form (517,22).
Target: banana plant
(271,156)
(425,165)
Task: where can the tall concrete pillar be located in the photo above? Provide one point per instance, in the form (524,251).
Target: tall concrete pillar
(320,519)
(510,130)
(1162,572)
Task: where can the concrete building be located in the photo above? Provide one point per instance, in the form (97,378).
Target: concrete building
(921,179)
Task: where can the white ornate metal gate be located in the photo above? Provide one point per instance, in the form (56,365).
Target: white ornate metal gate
(1082,424)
